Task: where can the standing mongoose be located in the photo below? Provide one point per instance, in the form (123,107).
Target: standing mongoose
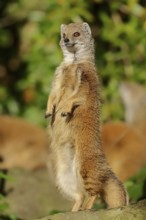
(76,157)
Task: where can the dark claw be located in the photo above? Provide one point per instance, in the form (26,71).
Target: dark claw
(47,115)
(64,114)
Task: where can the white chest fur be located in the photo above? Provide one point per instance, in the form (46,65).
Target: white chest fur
(66,173)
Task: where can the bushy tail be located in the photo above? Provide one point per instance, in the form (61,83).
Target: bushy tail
(114,193)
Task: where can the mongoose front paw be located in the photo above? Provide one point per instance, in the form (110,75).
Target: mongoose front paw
(47,115)
(65,114)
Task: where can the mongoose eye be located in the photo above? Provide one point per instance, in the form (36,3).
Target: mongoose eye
(64,35)
(76,34)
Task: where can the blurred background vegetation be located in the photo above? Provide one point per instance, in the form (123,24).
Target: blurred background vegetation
(30,52)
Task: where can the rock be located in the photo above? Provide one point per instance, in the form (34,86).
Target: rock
(131,212)
(31,194)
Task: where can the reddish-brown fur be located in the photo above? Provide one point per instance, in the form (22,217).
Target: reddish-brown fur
(124,148)
(22,144)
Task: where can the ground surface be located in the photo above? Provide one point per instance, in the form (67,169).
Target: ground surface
(33,195)
(131,212)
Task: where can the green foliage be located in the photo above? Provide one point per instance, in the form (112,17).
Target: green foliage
(123,31)
(3,204)
(53,212)
(6,176)
(10,217)
(4,207)
(136,186)
(39,50)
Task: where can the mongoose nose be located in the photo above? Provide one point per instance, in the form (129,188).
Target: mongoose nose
(66,40)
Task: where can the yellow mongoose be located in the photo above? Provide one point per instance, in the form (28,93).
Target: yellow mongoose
(76,156)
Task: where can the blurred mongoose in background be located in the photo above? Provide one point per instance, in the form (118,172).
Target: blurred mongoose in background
(76,157)
(124,148)
(22,144)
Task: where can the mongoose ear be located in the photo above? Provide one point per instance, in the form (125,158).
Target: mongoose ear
(86,28)
(62,26)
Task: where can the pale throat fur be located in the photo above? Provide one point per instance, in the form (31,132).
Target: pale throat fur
(77,43)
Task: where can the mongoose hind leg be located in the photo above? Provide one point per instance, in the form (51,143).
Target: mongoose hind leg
(90,202)
(78,203)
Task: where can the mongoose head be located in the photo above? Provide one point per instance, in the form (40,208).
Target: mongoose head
(76,37)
